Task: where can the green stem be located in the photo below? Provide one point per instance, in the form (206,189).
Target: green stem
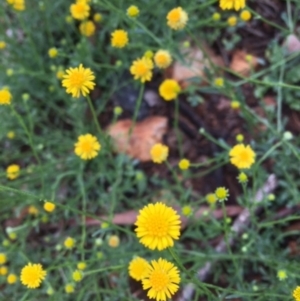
(94,115)
(137,108)
(269,152)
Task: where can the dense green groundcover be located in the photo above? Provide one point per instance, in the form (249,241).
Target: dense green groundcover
(251,254)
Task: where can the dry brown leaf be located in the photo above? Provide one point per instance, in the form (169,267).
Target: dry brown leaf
(292,43)
(241,65)
(195,63)
(144,135)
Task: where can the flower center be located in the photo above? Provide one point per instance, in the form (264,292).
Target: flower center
(175,15)
(159,280)
(77,79)
(158,227)
(142,69)
(86,147)
(244,156)
(80,8)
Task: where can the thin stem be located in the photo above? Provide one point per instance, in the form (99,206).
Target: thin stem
(137,108)
(94,115)
(269,152)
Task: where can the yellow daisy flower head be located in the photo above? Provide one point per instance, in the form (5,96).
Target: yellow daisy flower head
(296,293)
(113,241)
(119,38)
(69,243)
(245,15)
(78,80)
(162,280)
(242,178)
(77,275)
(232,21)
(5,97)
(2,45)
(219,82)
(235,104)
(80,10)
(281,275)
(52,52)
(162,59)
(33,210)
(3,270)
(184,164)
(242,156)
(141,69)
(239,138)
(158,225)
(49,206)
(87,28)
(177,18)
(211,198)
(222,194)
(18,5)
(69,288)
(11,135)
(169,89)
(87,147)
(149,54)
(12,278)
(97,17)
(32,275)
(138,268)
(216,16)
(159,153)
(3,258)
(232,4)
(81,265)
(133,11)
(13,171)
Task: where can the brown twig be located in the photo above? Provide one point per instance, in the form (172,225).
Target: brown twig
(238,227)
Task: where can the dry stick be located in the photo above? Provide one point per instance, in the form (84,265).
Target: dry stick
(238,227)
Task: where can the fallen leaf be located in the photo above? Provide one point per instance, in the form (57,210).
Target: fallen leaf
(243,63)
(194,65)
(144,135)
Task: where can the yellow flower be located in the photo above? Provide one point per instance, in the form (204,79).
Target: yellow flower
(216,16)
(222,193)
(52,52)
(87,147)
(33,210)
(169,89)
(80,10)
(162,280)
(69,288)
(60,73)
(157,226)
(184,164)
(77,275)
(159,153)
(162,59)
(3,258)
(3,270)
(245,15)
(177,18)
(235,104)
(138,268)
(5,97)
(142,69)
(18,4)
(113,241)
(87,28)
(118,110)
(211,198)
(149,54)
(13,171)
(281,275)
(32,275)
(232,21)
(242,156)
(239,138)
(97,17)
(69,243)
(296,293)
(119,38)
(12,278)
(133,11)
(49,206)
(219,82)
(187,210)
(12,235)
(81,265)
(2,44)
(78,80)
(11,135)
(229,4)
